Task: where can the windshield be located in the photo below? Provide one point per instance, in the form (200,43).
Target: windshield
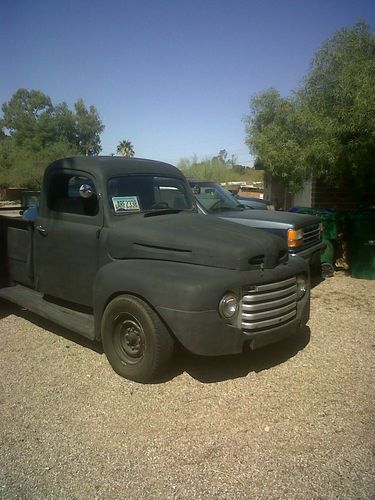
(214,198)
(143,193)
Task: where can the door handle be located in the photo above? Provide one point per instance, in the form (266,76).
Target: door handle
(42,230)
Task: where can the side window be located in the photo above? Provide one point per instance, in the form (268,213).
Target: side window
(64,195)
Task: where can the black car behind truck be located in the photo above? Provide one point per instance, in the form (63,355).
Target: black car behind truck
(302,233)
(118,253)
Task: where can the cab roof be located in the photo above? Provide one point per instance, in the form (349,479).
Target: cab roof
(105,167)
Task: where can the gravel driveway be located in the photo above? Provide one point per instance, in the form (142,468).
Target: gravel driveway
(290,421)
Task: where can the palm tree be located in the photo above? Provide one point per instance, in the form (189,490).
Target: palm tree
(125,148)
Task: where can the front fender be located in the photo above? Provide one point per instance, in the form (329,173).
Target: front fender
(179,286)
(162,284)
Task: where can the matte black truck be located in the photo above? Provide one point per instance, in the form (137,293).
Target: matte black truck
(118,253)
(303,233)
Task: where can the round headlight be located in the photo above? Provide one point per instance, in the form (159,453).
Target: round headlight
(228,306)
(301,285)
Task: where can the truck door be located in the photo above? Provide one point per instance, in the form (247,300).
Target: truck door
(66,238)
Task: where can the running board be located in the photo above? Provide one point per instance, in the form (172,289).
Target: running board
(33,301)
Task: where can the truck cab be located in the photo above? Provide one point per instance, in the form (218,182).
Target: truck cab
(119,254)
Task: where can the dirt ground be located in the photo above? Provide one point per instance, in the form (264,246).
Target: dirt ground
(294,420)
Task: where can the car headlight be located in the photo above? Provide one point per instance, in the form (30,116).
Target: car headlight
(295,237)
(228,306)
(302,284)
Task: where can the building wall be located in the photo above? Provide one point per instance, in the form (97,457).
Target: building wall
(303,197)
(340,198)
(316,194)
(277,194)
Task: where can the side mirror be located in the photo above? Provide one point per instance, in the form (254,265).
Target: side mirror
(86,191)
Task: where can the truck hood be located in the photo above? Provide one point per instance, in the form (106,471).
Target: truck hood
(189,237)
(268,219)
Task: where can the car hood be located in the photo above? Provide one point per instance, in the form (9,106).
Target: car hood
(189,237)
(269,218)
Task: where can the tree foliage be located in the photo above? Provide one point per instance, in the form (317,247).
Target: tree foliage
(126,148)
(27,118)
(209,169)
(218,168)
(327,126)
(34,132)
(88,128)
(275,135)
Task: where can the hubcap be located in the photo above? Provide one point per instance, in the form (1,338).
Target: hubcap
(129,338)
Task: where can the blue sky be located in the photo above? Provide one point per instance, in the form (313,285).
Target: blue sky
(173,76)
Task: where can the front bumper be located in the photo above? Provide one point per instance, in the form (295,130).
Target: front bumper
(312,258)
(308,253)
(205,333)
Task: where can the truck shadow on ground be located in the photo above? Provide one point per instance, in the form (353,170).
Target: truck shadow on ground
(7,309)
(204,369)
(220,368)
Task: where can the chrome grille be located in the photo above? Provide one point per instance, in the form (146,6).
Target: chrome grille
(269,305)
(311,235)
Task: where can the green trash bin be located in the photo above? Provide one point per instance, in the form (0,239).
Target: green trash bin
(362,244)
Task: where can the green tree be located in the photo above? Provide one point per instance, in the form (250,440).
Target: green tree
(213,169)
(28,166)
(26,118)
(30,118)
(64,126)
(125,148)
(339,91)
(277,131)
(8,153)
(34,132)
(218,169)
(88,129)
(328,125)
(222,156)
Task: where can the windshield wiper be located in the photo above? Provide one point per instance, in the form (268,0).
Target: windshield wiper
(162,211)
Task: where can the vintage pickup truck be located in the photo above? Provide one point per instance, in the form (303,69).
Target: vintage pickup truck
(118,253)
(303,233)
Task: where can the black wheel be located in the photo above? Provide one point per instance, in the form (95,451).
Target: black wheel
(135,340)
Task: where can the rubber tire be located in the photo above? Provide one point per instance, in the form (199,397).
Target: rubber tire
(158,343)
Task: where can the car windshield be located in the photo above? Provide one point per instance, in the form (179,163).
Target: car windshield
(144,193)
(214,198)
